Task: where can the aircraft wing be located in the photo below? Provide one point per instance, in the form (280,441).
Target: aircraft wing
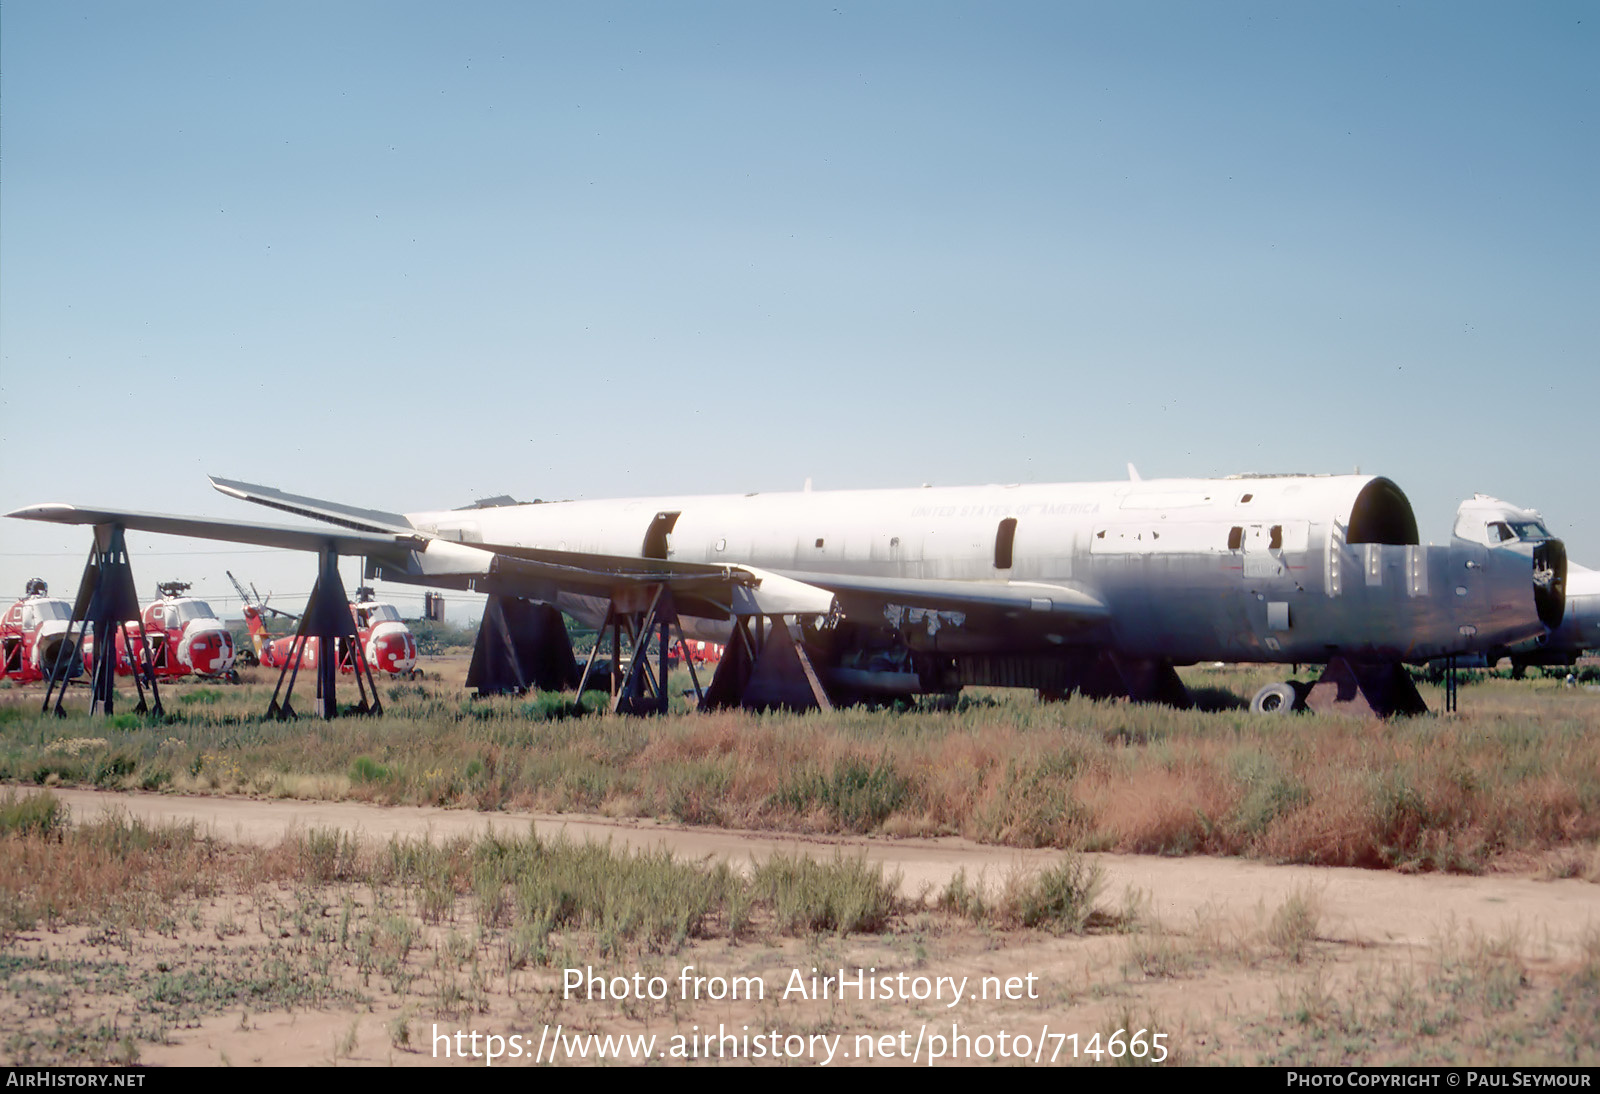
(348,542)
(416,558)
(398,552)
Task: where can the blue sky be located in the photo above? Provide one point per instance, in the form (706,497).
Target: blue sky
(408,255)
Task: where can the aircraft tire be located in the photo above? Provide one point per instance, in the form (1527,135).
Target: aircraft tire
(1277,698)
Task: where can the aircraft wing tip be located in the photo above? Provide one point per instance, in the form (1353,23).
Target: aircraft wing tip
(52,510)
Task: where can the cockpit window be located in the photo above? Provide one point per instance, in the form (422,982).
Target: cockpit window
(37,611)
(1529,529)
(1500,531)
(380,613)
(191,609)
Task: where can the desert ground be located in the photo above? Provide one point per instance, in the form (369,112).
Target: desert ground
(274,899)
(1232,962)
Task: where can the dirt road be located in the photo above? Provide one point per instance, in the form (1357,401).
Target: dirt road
(1394,968)
(1358,905)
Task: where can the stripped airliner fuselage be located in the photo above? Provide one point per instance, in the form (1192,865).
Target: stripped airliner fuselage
(1269,568)
(1099,587)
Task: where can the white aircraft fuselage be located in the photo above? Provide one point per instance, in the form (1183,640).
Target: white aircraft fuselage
(1250,568)
(1097,587)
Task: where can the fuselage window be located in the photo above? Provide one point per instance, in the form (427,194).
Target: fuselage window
(1235,538)
(1005,539)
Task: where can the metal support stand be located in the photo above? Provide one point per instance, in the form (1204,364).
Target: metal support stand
(640,615)
(640,691)
(521,644)
(1365,689)
(765,667)
(328,621)
(1105,675)
(1450,685)
(106,601)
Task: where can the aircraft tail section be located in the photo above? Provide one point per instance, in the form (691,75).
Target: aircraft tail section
(347,516)
(258,630)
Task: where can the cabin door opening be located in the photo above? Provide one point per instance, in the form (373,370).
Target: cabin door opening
(656,543)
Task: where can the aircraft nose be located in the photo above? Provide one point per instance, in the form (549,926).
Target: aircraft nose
(395,652)
(58,649)
(210,650)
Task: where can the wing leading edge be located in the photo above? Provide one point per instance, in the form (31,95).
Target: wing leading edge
(349,542)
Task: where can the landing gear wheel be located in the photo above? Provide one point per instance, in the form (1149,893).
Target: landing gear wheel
(1278,698)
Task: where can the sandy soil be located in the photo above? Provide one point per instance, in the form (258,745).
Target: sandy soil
(1392,968)
(1359,906)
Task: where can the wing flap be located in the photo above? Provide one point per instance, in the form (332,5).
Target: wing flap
(332,512)
(543,575)
(864,596)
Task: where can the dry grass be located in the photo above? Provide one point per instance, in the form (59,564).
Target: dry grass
(1465,998)
(1470,999)
(120,935)
(169,926)
(1516,774)
(108,869)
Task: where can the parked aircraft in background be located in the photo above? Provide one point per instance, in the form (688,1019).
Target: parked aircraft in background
(175,636)
(34,639)
(1096,587)
(386,642)
(1579,631)
(1491,522)
(702,652)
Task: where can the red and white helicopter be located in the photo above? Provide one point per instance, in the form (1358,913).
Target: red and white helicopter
(175,636)
(702,652)
(34,639)
(386,642)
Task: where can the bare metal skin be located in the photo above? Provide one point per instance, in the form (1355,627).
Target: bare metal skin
(989,584)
